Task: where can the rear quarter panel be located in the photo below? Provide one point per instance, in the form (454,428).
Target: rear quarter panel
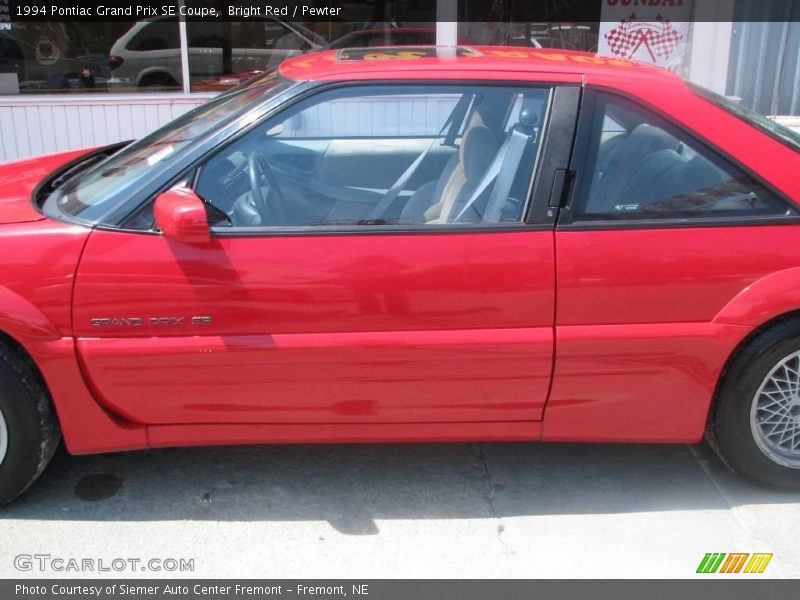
(647,318)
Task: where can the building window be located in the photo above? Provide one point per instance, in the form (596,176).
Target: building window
(90,57)
(222,54)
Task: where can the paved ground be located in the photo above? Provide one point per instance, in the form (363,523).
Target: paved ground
(459,510)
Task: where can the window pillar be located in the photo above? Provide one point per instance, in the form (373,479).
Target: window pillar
(446,23)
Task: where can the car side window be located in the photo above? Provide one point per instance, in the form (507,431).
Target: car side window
(383,155)
(640,167)
(156,35)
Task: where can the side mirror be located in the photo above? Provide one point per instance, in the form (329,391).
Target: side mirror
(181,215)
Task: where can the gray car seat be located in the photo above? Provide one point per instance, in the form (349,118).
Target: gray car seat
(428,203)
(438,201)
(618,161)
(444,200)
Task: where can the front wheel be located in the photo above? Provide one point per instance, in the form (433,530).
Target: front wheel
(29,431)
(757,422)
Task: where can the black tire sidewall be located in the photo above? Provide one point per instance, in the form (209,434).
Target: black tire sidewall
(732,429)
(26,438)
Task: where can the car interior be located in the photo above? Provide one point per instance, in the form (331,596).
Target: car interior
(640,169)
(421,158)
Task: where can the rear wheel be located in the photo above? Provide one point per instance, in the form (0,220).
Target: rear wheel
(29,431)
(757,423)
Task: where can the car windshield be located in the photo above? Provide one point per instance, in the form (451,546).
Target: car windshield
(783,134)
(96,191)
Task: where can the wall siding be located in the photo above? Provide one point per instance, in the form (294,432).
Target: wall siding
(764,66)
(33,125)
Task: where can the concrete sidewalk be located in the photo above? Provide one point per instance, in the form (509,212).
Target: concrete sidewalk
(429,510)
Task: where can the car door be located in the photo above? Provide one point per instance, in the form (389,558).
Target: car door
(662,232)
(361,314)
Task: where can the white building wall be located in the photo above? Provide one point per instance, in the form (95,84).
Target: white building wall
(32,125)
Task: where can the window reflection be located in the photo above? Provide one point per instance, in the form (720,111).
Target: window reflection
(89,57)
(223,54)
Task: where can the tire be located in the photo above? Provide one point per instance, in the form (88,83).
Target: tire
(753,402)
(29,432)
(158,82)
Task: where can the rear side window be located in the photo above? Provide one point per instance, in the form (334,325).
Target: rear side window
(640,167)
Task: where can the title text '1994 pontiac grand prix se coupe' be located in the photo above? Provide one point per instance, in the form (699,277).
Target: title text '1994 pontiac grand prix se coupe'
(412,244)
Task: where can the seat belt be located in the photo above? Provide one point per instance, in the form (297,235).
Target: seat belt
(384,203)
(510,153)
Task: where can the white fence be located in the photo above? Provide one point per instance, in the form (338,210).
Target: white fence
(32,125)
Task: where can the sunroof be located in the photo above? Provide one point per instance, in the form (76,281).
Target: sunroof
(402,53)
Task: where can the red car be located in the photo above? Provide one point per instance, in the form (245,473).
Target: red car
(412,245)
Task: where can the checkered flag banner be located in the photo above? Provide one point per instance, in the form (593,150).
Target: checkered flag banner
(657,35)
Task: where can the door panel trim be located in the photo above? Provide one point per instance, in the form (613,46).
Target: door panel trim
(232,376)
(164,436)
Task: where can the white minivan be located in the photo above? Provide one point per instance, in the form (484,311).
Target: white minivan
(148,54)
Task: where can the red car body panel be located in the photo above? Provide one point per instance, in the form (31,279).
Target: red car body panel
(612,335)
(383,329)
(637,383)
(643,323)
(38,272)
(18,180)
(39,261)
(680,275)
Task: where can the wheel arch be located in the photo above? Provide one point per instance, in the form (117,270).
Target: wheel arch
(764,300)
(761,306)
(85,425)
(10,342)
(755,333)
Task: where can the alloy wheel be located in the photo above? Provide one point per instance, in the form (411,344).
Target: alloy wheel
(3,437)
(775,413)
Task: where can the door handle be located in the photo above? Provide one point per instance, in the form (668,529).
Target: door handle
(562,188)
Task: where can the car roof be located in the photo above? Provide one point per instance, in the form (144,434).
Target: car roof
(433,62)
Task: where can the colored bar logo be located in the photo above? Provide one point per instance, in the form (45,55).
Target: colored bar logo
(735,562)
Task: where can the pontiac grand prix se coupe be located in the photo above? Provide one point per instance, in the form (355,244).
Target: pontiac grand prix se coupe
(412,244)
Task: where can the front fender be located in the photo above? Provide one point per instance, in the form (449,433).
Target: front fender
(22,320)
(769,297)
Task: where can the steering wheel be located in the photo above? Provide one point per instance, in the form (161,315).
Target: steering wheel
(270,202)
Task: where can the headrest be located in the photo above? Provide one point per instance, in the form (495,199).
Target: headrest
(483,116)
(219,168)
(702,173)
(477,151)
(652,139)
(214,182)
(529,112)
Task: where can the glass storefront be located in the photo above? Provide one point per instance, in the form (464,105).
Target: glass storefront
(143,56)
(62,57)
(147,56)
(222,54)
